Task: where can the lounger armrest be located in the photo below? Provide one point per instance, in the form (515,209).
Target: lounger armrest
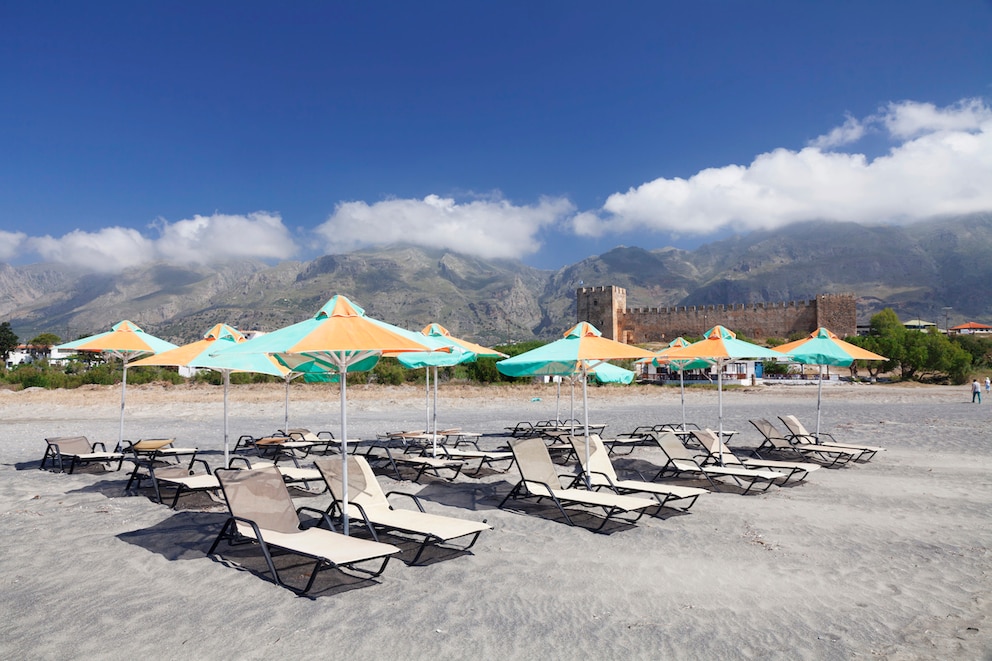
(823,433)
(547,486)
(580,479)
(103,448)
(322,516)
(230,462)
(206,466)
(336,504)
(411,496)
(326,435)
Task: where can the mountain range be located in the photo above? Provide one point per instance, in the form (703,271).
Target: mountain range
(918,270)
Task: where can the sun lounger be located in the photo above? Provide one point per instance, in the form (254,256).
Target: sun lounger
(321,442)
(78,450)
(721,455)
(603,474)
(367,502)
(776,441)
(681,461)
(799,435)
(262,512)
(539,481)
(182,478)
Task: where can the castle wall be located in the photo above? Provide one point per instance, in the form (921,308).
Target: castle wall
(605,308)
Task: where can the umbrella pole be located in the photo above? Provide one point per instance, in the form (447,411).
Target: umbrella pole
(285,417)
(227,445)
(427,397)
(819,393)
(719,390)
(571,403)
(343,381)
(682,391)
(557,400)
(585,421)
(434,427)
(120,433)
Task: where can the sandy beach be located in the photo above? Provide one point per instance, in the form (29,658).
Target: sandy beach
(888,559)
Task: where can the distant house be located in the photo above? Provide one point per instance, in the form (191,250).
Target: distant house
(919,325)
(971,328)
(29,353)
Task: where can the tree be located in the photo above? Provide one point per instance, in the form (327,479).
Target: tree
(8,340)
(46,340)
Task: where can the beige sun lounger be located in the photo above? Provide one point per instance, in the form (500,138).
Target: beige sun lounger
(799,435)
(539,480)
(603,474)
(680,461)
(775,440)
(369,503)
(262,511)
(721,455)
(78,450)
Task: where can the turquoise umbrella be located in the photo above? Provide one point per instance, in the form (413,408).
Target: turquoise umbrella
(204,354)
(721,346)
(340,335)
(127,341)
(680,365)
(822,347)
(582,348)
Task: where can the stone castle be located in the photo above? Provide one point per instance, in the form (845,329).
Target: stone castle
(606,309)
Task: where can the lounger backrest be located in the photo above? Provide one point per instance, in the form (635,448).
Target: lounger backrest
(770,432)
(71,444)
(709,440)
(599,459)
(795,427)
(260,495)
(533,461)
(670,443)
(363,487)
(302,434)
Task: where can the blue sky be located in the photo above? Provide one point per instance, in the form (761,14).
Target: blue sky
(540,131)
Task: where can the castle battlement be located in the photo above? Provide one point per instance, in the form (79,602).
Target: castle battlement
(605,308)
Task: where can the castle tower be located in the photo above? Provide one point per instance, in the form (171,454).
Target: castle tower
(602,307)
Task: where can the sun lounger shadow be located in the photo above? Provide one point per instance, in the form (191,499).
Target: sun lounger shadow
(182,536)
(463,495)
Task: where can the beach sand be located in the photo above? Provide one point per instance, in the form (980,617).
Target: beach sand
(889,559)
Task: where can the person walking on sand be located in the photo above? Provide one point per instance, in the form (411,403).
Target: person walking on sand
(976,392)
(988,385)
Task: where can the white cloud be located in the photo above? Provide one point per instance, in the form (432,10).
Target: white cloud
(10,244)
(204,239)
(491,228)
(199,240)
(107,250)
(941,163)
(847,133)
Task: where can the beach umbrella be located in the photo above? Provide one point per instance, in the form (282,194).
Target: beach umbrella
(582,348)
(823,348)
(126,341)
(200,354)
(339,335)
(721,346)
(680,365)
(448,351)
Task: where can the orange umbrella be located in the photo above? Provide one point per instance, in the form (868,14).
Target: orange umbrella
(822,347)
(721,345)
(125,340)
(339,335)
(198,354)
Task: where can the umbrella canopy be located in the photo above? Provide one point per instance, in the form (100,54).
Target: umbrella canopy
(720,345)
(822,347)
(199,354)
(680,365)
(339,335)
(449,351)
(126,341)
(582,348)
